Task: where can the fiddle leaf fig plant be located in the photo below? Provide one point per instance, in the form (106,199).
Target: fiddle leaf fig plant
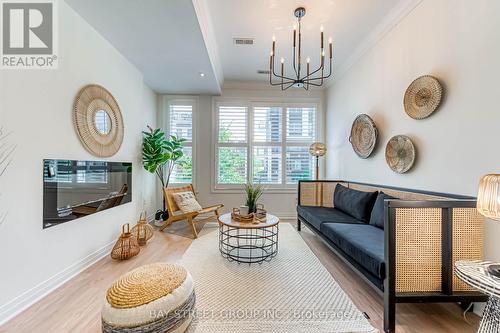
(161,154)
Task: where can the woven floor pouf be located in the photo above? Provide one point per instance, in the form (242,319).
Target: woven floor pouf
(153,298)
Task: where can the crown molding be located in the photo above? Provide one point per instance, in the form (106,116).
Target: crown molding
(206,27)
(389,22)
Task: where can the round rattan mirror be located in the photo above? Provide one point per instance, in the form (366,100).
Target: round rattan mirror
(363,136)
(98,121)
(422,97)
(400,153)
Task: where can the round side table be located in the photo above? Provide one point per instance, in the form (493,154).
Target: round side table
(475,274)
(248,242)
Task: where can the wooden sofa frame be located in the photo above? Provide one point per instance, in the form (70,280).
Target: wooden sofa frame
(447,288)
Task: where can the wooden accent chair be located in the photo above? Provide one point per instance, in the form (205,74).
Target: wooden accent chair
(173,209)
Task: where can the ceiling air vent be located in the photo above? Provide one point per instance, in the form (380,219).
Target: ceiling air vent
(243,41)
(263,71)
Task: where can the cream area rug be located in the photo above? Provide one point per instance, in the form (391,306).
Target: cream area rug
(293,293)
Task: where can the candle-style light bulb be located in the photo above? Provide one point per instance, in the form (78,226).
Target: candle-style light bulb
(274,38)
(330,42)
(321,29)
(308,60)
(282,69)
(294,35)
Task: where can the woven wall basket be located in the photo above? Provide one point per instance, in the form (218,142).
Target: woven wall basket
(422,97)
(400,153)
(93,99)
(363,136)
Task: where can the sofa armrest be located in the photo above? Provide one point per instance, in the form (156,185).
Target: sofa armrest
(423,240)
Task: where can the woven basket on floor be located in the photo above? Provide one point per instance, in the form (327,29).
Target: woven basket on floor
(126,246)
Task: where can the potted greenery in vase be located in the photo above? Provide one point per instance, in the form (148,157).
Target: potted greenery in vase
(254,192)
(160,155)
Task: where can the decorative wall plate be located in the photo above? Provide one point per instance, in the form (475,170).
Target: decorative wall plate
(422,97)
(98,121)
(400,153)
(363,136)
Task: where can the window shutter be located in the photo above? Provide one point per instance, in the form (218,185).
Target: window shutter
(232,124)
(181,125)
(299,164)
(232,164)
(181,121)
(300,124)
(267,123)
(267,165)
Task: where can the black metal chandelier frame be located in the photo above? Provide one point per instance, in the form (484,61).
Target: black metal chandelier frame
(311,78)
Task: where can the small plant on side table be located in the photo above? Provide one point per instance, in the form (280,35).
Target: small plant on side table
(254,192)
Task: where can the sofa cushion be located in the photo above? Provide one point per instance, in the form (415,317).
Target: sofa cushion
(377,216)
(356,203)
(364,243)
(318,215)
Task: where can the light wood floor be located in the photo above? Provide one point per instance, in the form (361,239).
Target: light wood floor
(75,306)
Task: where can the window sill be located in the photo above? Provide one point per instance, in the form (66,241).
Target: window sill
(222,190)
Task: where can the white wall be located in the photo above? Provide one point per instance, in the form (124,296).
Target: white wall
(36,105)
(458,41)
(282,204)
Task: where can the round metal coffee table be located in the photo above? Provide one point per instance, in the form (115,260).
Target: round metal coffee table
(248,242)
(475,274)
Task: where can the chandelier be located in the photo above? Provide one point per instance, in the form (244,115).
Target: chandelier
(298,79)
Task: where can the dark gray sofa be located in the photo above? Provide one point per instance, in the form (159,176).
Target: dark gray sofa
(391,239)
(361,243)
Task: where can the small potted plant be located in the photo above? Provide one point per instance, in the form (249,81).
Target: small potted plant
(254,192)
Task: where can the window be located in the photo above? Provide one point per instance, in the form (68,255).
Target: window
(180,124)
(232,148)
(266,144)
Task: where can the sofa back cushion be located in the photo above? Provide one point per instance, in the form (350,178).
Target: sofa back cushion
(377,215)
(358,204)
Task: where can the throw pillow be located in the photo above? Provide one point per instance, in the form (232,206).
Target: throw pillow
(356,203)
(186,201)
(377,216)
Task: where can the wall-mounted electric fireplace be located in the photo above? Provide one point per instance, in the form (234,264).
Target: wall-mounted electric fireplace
(74,189)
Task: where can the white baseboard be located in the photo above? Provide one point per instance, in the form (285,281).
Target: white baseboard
(33,295)
(286,216)
(479,308)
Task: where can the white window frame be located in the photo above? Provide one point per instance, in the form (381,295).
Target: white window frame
(249,104)
(183,100)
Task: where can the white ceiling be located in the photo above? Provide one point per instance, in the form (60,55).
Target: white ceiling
(172,41)
(162,38)
(348,22)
